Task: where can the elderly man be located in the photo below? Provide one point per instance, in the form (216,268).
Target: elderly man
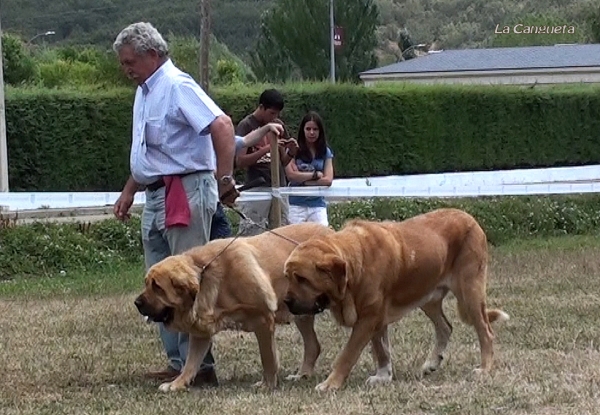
(180,139)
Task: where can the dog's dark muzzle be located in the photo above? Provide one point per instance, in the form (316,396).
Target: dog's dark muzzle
(164,315)
(298,308)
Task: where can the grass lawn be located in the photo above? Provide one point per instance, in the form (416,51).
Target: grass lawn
(75,344)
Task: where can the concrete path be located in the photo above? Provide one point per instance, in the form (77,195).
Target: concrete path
(74,215)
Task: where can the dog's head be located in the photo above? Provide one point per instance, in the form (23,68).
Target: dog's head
(316,276)
(170,289)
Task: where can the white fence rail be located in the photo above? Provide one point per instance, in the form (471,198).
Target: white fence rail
(560,180)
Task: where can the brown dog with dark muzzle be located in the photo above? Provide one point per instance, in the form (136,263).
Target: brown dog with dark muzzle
(230,284)
(371,274)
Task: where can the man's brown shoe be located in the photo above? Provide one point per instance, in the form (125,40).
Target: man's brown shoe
(206,378)
(167,375)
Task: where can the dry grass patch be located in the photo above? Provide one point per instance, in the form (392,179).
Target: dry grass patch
(75,354)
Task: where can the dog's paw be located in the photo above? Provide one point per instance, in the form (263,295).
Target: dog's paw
(431,365)
(326,387)
(262,384)
(428,368)
(171,387)
(378,380)
(478,371)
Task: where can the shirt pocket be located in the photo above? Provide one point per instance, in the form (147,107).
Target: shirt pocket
(154,132)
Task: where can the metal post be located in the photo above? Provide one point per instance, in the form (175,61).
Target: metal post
(204,43)
(275,217)
(3,147)
(331,42)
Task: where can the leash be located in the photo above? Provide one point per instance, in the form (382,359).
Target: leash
(265,228)
(254,183)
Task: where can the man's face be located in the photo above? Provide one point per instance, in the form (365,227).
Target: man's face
(268,114)
(138,67)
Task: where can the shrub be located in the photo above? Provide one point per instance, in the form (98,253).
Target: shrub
(18,65)
(61,73)
(88,66)
(228,73)
(503,218)
(44,249)
(47,249)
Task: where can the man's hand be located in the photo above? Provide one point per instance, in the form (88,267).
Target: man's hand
(290,144)
(275,128)
(228,193)
(122,206)
(125,200)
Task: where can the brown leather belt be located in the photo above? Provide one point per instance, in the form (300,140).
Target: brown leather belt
(161,183)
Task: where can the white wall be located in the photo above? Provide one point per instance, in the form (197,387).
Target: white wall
(490,78)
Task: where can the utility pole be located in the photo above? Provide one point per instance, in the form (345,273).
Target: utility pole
(204,43)
(3,147)
(275,214)
(331,42)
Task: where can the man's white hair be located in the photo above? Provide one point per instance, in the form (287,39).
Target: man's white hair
(143,37)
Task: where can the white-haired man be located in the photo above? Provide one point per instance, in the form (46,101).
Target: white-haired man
(180,138)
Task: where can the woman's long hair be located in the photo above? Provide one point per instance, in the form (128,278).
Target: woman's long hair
(304,153)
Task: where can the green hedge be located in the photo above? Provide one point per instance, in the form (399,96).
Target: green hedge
(68,141)
(503,218)
(47,249)
(72,141)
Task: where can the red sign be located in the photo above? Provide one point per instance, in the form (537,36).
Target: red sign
(338,36)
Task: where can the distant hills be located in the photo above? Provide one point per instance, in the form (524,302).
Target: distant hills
(236,23)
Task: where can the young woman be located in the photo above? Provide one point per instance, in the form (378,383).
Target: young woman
(312,166)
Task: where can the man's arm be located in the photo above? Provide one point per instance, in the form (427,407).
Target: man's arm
(125,200)
(246,160)
(201,113)
(222,134)
(254,137)
(284,156)
(131,187)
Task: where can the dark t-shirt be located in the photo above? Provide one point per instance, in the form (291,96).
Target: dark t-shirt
(262,168)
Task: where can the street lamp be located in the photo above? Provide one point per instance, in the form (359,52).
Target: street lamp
(331,43)
(48,33)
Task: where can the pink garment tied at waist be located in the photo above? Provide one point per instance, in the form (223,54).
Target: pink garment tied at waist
(177,208)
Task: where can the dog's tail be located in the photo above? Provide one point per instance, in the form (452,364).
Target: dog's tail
(493,315)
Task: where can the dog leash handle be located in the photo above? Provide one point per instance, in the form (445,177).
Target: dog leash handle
(252,184)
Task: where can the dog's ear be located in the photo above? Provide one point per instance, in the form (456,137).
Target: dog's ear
(185,277)
(336,268)
(186,288)
(177,278)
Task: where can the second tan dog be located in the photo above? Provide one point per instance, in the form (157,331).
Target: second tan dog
(370,274)
(235,284)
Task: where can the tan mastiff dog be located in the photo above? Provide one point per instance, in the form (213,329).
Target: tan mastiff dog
(230,284)
(370,274)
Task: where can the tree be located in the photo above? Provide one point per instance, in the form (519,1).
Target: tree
(593,22)
(294,40)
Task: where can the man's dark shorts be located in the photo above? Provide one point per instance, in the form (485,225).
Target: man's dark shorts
(220,226)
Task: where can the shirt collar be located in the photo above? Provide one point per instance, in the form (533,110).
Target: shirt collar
(155,77)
